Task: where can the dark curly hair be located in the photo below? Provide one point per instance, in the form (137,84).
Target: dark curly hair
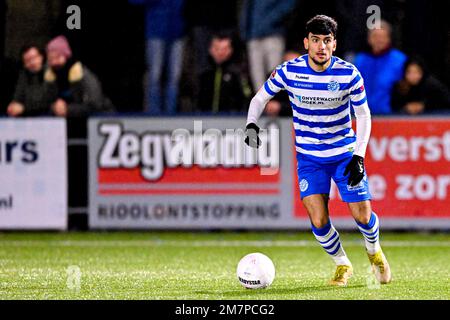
(321,24)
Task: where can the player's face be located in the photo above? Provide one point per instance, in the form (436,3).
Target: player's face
(320,47)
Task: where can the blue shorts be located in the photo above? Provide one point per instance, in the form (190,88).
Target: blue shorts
(315,178)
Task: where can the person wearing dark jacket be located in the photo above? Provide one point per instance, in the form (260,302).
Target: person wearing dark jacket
(419,92)
(72,90)
(29,97)
(222,86)
(204,18)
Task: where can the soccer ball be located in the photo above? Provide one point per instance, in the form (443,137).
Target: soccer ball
(255,271)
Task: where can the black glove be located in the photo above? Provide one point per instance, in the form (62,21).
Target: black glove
(251,136)
(356,169)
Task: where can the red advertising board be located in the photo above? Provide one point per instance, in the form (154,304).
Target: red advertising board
(247,178)
(408,164)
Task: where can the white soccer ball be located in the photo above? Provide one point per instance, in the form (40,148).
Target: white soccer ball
(255,271)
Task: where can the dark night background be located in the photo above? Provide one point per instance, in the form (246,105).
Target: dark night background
(111,39)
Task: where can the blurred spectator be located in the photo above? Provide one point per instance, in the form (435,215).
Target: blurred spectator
(71,88)
(428,21)
(165,46)
(352,16)
(380,68)
(8,79)
(205,18)
(29,98)
(419,92)
(280,105)
(222,87)
(263,28)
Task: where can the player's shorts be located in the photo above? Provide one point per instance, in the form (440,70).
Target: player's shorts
(315,178)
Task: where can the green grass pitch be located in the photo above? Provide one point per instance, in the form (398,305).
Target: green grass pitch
(184,265)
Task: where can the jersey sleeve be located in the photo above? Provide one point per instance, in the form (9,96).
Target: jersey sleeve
(271,87)
(276,81)
(358,96)
(358,101)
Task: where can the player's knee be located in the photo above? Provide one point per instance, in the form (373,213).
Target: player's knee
(362,215)
(319,222)
(361,212)
(363,219)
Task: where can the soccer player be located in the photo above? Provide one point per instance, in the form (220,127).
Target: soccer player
(321,89)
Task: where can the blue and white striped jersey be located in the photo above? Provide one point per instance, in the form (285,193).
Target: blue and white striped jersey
(320,104)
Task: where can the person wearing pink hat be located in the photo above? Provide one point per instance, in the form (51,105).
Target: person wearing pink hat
(72,89)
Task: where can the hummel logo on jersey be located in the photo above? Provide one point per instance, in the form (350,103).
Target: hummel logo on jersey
(301,77)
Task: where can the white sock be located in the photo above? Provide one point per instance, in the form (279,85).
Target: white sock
(371,233)
(328,238)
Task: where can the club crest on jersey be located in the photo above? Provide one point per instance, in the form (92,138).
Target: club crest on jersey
(333,86)
(303,185)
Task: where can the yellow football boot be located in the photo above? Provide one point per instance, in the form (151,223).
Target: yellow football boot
(380,267)
(342,274)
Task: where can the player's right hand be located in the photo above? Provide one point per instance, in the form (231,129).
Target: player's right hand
(251,135)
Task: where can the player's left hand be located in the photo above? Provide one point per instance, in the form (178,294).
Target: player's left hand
(356,169)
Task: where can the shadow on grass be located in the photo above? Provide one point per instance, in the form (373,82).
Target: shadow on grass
(269,292)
